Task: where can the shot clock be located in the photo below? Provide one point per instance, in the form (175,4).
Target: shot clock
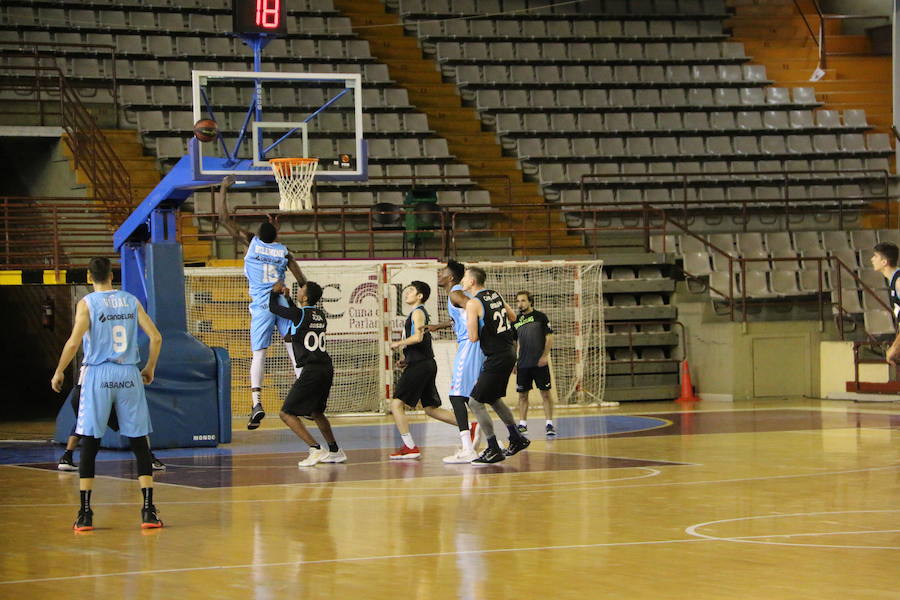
(259,16)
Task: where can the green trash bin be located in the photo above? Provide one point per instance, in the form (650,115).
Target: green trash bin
(421,213)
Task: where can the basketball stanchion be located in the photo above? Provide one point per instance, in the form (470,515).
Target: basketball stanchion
(294,177)
(687,388)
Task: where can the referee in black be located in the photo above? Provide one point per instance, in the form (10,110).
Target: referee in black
(535,342)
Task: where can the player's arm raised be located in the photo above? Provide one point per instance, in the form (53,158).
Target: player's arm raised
(295,269)
(79,328)
(418,319)
(239,234)
(152,332)
(472,314)
(510,313)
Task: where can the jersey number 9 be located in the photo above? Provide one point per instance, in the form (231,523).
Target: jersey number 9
(120,339)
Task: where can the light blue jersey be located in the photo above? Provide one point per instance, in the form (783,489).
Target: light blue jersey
(112,336)
(458,316)
(469,357)
(264,264)
(110,376)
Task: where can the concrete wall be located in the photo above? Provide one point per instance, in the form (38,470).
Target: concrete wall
(772,359)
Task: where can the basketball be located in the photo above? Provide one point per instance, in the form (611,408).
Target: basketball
(206,130)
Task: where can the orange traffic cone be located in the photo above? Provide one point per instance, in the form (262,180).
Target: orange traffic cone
(687,388)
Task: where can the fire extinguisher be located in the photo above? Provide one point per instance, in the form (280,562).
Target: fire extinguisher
(48,308)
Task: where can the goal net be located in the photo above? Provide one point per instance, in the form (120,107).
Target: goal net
(362,302)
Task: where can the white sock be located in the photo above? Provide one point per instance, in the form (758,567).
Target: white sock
(256,396)
(525,423)
(466,438)
(257,372)
(549,421)
(407,440)
(289,347)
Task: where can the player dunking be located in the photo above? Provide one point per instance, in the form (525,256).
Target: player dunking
(535,340)
(106,321)
(488,319)
(417,384)
(264,264)
(467,362)
(309,394)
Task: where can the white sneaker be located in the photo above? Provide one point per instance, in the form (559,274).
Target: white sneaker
(315,456)
(334,457)
(461,456)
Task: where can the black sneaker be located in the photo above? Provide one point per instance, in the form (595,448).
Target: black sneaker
(150,518)
(551,431)
(517,445)
(85,520)
(522,428)
(488,457)
(66,463)
(158,465)
(256,415)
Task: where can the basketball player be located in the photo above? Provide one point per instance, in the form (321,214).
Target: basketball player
(535,338)
(884,260)
(264,264)
(106,321)
(309,394)
(489,319)
(467,362)
(417,383)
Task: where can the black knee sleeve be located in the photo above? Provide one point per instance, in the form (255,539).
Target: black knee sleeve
(460,411)
(141,448)
(88,460)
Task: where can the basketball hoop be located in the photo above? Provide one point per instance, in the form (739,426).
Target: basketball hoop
(294,177)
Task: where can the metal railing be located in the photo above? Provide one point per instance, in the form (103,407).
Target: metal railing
(91,150)
(40,52)
(731,296)
(821,38)
(688,185)
(52,233)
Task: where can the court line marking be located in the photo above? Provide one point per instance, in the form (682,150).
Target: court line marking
(353,559)
(756,539)
(652,473)
(110,477)
(417,555)
(489,492)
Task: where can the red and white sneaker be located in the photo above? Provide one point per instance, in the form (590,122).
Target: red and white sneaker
(404,452)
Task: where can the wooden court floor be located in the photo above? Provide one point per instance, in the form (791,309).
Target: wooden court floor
(790,499)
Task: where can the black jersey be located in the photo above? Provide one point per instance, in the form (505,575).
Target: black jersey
(422,350)
(894,298)
(531,330)
(308,325)
(496,333)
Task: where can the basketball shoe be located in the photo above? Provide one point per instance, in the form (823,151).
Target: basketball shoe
(403,453)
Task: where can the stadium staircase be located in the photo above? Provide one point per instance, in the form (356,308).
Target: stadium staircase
(458,124)
(774,34)
(144,174)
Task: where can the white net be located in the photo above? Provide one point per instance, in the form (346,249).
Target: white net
(218,315)
(294,177)
(569,292)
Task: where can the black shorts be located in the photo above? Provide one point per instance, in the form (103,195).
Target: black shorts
(309,394)
(539,375)
(494,377)
(75,401)
(417,384)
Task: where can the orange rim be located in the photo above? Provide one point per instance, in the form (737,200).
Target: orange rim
(284,164)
